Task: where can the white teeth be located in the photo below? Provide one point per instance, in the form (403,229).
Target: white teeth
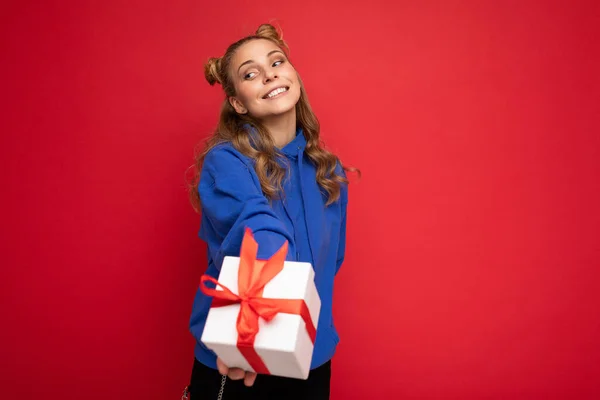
(276,92)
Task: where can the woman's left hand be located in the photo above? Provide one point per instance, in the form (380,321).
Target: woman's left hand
(236,373)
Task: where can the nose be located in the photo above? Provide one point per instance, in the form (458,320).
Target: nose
(270,75)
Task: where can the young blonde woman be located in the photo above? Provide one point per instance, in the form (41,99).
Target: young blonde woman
(264,168)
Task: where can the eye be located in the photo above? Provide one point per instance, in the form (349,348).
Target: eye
(249,75)
(277,63)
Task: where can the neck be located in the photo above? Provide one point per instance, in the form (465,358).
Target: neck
(282,128)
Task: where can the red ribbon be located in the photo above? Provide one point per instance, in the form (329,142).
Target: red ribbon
(253,275)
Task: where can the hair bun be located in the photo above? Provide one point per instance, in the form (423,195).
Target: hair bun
(268,31)
(211,71)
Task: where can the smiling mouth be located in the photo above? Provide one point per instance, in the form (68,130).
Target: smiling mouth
(276,92)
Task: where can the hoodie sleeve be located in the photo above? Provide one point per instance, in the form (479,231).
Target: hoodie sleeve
(232,200)
(342,240)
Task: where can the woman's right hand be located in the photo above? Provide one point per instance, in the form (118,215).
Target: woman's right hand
(236,373)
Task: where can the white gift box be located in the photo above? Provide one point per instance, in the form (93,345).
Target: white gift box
(283,343)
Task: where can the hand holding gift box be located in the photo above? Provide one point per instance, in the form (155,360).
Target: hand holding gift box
(264,314)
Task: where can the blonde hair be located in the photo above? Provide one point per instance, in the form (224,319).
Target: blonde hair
(232,127)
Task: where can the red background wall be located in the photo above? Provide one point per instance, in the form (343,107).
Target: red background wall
(473,250)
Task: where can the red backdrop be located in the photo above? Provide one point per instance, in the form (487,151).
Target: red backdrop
(473,250)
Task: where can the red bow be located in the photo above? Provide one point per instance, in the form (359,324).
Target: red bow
(253,275)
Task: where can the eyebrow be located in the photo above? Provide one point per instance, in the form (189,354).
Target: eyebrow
(251,61)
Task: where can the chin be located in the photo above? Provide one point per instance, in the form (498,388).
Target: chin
(279,109)
(282,111)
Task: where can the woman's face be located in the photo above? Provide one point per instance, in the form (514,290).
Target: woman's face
(265,82)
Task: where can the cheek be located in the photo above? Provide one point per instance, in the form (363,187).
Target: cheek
(291,74)
(248,93)
(242,93)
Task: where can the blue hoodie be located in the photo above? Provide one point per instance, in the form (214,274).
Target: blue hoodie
(232,200)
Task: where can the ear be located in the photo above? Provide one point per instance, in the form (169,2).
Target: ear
(237,105)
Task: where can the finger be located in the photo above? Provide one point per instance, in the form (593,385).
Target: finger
(236,374)
(249,378)
(223,370)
